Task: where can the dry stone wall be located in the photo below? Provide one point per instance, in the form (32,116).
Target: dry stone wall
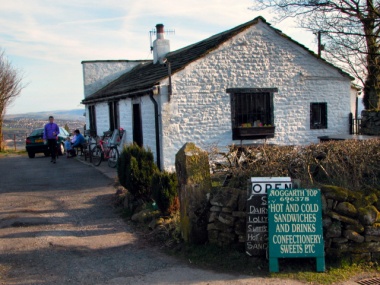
(351,221)
(227,216)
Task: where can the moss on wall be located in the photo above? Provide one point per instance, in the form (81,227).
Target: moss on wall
(193,172)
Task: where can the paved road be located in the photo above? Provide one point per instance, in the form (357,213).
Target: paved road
(57,226)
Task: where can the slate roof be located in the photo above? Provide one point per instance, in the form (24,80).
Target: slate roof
(147,74)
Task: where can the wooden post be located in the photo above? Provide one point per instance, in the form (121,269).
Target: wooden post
(319,44)
(351,125)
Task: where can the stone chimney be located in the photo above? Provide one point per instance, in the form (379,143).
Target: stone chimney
(160,46)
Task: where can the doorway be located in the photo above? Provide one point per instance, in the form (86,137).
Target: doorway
(137,125)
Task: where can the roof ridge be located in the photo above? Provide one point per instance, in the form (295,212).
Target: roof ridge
(239,27)
(146,75)
(115,60)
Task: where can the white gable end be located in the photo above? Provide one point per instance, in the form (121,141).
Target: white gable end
(200,109)
(97,74)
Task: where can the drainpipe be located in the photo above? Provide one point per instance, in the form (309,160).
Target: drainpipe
(170,90)
(158,153)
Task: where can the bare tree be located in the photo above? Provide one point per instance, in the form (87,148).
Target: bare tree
(10,88)
(350,30)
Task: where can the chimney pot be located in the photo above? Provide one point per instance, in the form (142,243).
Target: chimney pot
(160,46)
(160,31)
(160,28)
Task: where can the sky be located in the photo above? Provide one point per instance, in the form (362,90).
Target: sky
(48,39)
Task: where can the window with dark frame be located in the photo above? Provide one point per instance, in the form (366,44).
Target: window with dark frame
(252,109)
(252,113)
(113,108)
(318,115)
(92,119)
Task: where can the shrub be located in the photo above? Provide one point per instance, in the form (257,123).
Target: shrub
(135,171)
(164,192)
(352,164)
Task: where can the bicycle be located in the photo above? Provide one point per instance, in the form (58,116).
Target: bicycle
(106,149)
(91,142)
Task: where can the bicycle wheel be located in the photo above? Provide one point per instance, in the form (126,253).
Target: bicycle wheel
(113,156)
(96,155)
(89,151)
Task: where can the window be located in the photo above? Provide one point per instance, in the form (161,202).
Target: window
(113,108)
(252,113)
(318,115)
(92,119)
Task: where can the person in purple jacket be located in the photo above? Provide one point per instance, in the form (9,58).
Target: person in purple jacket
(51,131)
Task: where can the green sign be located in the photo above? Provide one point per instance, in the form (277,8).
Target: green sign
(295,226)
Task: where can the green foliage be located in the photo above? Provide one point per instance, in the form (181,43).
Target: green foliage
(66,127)
(135,171)
(121,167)
(164,191)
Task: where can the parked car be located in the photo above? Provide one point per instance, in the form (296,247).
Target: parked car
(35,143)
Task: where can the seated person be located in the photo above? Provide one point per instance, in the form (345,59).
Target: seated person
(79,140)
(68,148)
(74,137)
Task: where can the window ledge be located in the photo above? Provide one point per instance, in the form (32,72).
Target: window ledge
(251,133)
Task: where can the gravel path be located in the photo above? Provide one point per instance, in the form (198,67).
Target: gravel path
(57,226)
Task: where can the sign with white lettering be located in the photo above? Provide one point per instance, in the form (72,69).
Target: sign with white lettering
(295,226)
(257,212)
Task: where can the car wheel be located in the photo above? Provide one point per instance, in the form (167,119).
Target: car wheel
(31,154)
(46,153)
(61,149)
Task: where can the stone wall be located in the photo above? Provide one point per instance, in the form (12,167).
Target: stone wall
(351,221)
(126,120)
(370,124)
(200,110)
(102,118)
(227,217)
(98,73)
(148,125)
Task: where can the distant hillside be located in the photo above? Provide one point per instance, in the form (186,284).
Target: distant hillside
(73,115)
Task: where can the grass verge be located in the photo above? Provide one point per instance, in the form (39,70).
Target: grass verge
(235,261)
(10,152)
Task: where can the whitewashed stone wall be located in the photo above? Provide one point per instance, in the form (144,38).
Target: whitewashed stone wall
(148,124)
(102,118)
(126,122)
(148,121)
(97,74)
(200,109)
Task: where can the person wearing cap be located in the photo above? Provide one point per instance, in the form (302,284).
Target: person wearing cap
(51,131)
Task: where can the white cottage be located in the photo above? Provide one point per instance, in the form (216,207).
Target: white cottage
(243,85)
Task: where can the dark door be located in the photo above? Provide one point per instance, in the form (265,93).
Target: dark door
(113,109)
(137,125)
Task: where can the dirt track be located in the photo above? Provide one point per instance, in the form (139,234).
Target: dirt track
(58,226)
